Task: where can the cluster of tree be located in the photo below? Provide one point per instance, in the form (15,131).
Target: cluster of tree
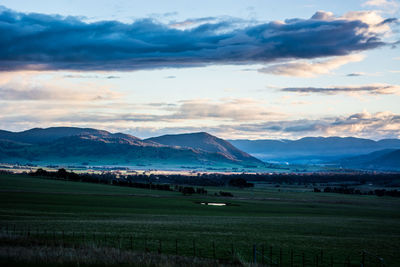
(240,182)
(354,191)
(193,180)
(225,194)
(61,174)
(5,172)
(109,178)
(151,186)
(188,190)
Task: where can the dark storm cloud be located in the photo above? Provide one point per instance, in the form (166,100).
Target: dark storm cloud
(389,20)
(44,42)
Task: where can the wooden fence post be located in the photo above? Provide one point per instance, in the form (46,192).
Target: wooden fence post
(322,256)
(291,258)
(194,248)
(63,238)
(176,246)
(213,245)
(131,240)
(254,254)
(262,254)
(159,246)
(382,262)
(233,253)
(270,255)
(363,259)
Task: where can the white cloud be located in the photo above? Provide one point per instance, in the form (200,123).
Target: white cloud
(310,68)
(243,109)
(39,86)
(390,6)
(364,124)
(374,21)
(117,114)
(381,3)
(256,123)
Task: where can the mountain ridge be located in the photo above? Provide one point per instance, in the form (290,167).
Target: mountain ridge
(78,145)
(203,141)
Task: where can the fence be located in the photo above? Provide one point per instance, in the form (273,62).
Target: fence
(258,254)
(278,257)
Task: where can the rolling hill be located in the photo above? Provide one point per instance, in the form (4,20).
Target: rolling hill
(388,159)
(204,142)
(85,146)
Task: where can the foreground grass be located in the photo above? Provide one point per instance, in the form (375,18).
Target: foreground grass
(305,222)
(23,251)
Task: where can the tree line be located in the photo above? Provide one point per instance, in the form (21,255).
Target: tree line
(354,191)
(109,178)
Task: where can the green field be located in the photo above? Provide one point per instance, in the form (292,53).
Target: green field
(292,219)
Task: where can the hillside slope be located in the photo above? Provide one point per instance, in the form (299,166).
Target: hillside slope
(388,159)
(206,142)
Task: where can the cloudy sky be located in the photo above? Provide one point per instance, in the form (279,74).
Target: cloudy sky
(256,69)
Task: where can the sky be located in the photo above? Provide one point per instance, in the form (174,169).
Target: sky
(238,69)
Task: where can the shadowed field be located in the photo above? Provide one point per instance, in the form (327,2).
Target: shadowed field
(295,220)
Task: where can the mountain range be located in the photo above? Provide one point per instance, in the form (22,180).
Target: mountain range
(86,146)
(313,149)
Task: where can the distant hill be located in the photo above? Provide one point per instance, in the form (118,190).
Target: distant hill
(86,146)
(205,142)
(313,149)
(40,135)
(388,159)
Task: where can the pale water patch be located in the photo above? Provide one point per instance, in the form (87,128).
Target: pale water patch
(212,204)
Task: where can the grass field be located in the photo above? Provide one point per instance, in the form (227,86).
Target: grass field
(293,218)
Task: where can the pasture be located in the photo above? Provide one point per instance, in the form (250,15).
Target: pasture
(282,220)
